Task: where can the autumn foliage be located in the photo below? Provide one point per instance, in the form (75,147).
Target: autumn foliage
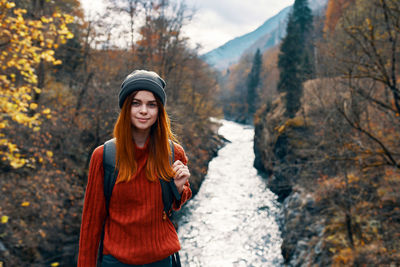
(339,154)
(25,43)
(60,77)
(334,12)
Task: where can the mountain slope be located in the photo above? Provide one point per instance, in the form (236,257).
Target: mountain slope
(231,51)
(264,37)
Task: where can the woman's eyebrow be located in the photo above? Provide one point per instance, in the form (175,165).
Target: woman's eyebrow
(148,101)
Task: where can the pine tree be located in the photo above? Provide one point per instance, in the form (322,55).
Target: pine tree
(295,58)
(253,79)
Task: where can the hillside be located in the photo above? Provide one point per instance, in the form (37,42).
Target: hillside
(334,165)
(264,37)
(231,51)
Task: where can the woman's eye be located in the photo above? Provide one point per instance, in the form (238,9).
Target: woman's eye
(152,105)
(135,104)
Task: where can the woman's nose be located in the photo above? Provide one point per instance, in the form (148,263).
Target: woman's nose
(143,109)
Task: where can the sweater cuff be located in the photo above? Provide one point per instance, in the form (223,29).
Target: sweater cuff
(186,194)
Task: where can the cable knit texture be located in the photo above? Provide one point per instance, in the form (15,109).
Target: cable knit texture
(135,232)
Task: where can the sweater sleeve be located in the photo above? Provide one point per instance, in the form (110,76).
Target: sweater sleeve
(187,192)
(94,212)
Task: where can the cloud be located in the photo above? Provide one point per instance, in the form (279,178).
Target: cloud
(209,29)
(218,21)
(239,11)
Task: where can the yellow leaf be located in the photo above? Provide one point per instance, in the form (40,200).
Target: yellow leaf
(10,5)
(25,204)
(49,153)
(4,219)
(16,163)
(68,18)
(46,111)
(20,118)
(331,237)
(55,264)
(281,129)
(44,19)
(33,106)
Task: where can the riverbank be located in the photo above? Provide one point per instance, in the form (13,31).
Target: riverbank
(340,202)
(281,149)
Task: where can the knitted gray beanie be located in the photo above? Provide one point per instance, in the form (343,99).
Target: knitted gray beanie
(142,80)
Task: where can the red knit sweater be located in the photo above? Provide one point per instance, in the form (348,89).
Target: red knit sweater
(135,231)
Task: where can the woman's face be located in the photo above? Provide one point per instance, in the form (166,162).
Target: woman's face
(144,110)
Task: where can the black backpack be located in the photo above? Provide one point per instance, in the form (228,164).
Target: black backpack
(169,190)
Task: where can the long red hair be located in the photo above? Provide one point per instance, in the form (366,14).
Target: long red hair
(158,165)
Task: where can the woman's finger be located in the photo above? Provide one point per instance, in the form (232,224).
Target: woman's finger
(177,168)
(177,163)
(182,174)
(177,173)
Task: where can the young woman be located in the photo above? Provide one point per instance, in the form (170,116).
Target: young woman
(137,232)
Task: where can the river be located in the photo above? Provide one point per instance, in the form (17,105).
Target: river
(232,219)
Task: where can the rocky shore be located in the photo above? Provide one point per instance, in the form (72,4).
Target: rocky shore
(280,147)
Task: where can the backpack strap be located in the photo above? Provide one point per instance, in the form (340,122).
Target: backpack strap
(171,162)
(169,190)
(110,177)
(110,170)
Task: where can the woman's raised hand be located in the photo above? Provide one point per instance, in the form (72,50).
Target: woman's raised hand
(182,174)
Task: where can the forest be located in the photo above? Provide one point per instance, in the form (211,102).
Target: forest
(326,109)
(325,104)
(60,77)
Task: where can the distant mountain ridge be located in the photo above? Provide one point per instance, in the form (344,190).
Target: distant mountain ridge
(266,36)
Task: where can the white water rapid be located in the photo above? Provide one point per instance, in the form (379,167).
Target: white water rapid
(232,219)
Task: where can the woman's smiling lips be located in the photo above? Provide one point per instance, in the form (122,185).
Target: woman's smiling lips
(142,120)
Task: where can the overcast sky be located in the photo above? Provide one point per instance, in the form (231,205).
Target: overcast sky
(218,21)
